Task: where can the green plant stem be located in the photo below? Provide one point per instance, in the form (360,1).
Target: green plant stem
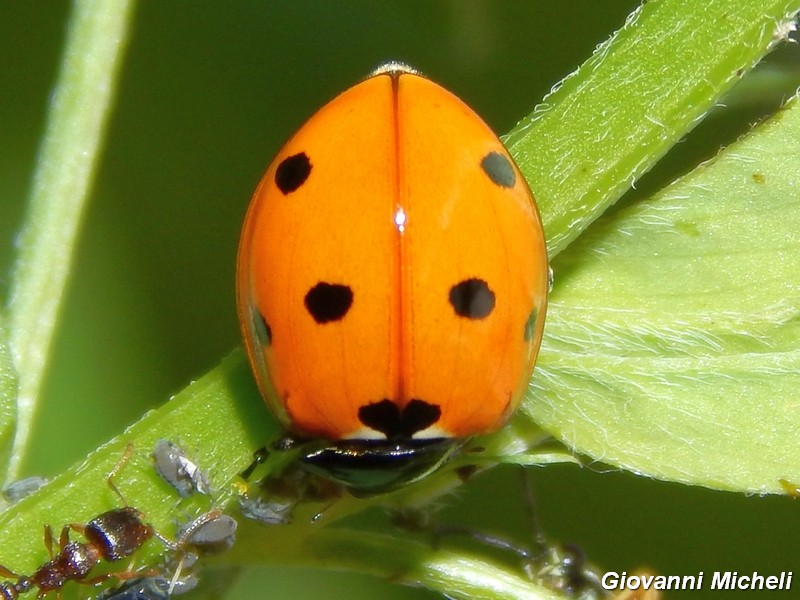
(448,569)
(67,159)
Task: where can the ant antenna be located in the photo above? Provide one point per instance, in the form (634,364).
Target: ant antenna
(126,456)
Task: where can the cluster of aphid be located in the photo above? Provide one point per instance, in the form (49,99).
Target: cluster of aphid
(119,533)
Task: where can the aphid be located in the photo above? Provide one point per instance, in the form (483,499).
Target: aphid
(142,588)
(150,588)
(274,499)
(267,512)
(174,467)
(210,533)
(23,488)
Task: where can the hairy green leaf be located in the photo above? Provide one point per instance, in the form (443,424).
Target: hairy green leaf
(672,343)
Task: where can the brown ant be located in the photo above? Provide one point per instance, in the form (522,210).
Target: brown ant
(111,536)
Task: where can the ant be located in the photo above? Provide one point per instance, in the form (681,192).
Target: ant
(209,533)
(110,536)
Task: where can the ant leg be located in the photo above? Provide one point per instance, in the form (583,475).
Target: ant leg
(95,580)
(5,572)
(119,576)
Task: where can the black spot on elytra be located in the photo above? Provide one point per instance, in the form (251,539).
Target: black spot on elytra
(328,302)
(292,172)
(263,330)
(530,325)
(499,169)
(472,299)
(392,421)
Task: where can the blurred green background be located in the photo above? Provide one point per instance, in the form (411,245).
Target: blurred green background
(208,92)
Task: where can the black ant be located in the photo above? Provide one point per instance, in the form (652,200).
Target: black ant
(111,536)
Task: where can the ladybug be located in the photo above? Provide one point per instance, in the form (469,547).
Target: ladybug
(392,281)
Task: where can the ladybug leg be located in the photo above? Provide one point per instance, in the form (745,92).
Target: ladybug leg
(280,450)
(259,456)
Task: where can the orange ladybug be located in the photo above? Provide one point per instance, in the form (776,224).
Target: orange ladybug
(392,281)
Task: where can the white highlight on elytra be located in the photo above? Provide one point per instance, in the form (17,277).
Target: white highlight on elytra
(400,219)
